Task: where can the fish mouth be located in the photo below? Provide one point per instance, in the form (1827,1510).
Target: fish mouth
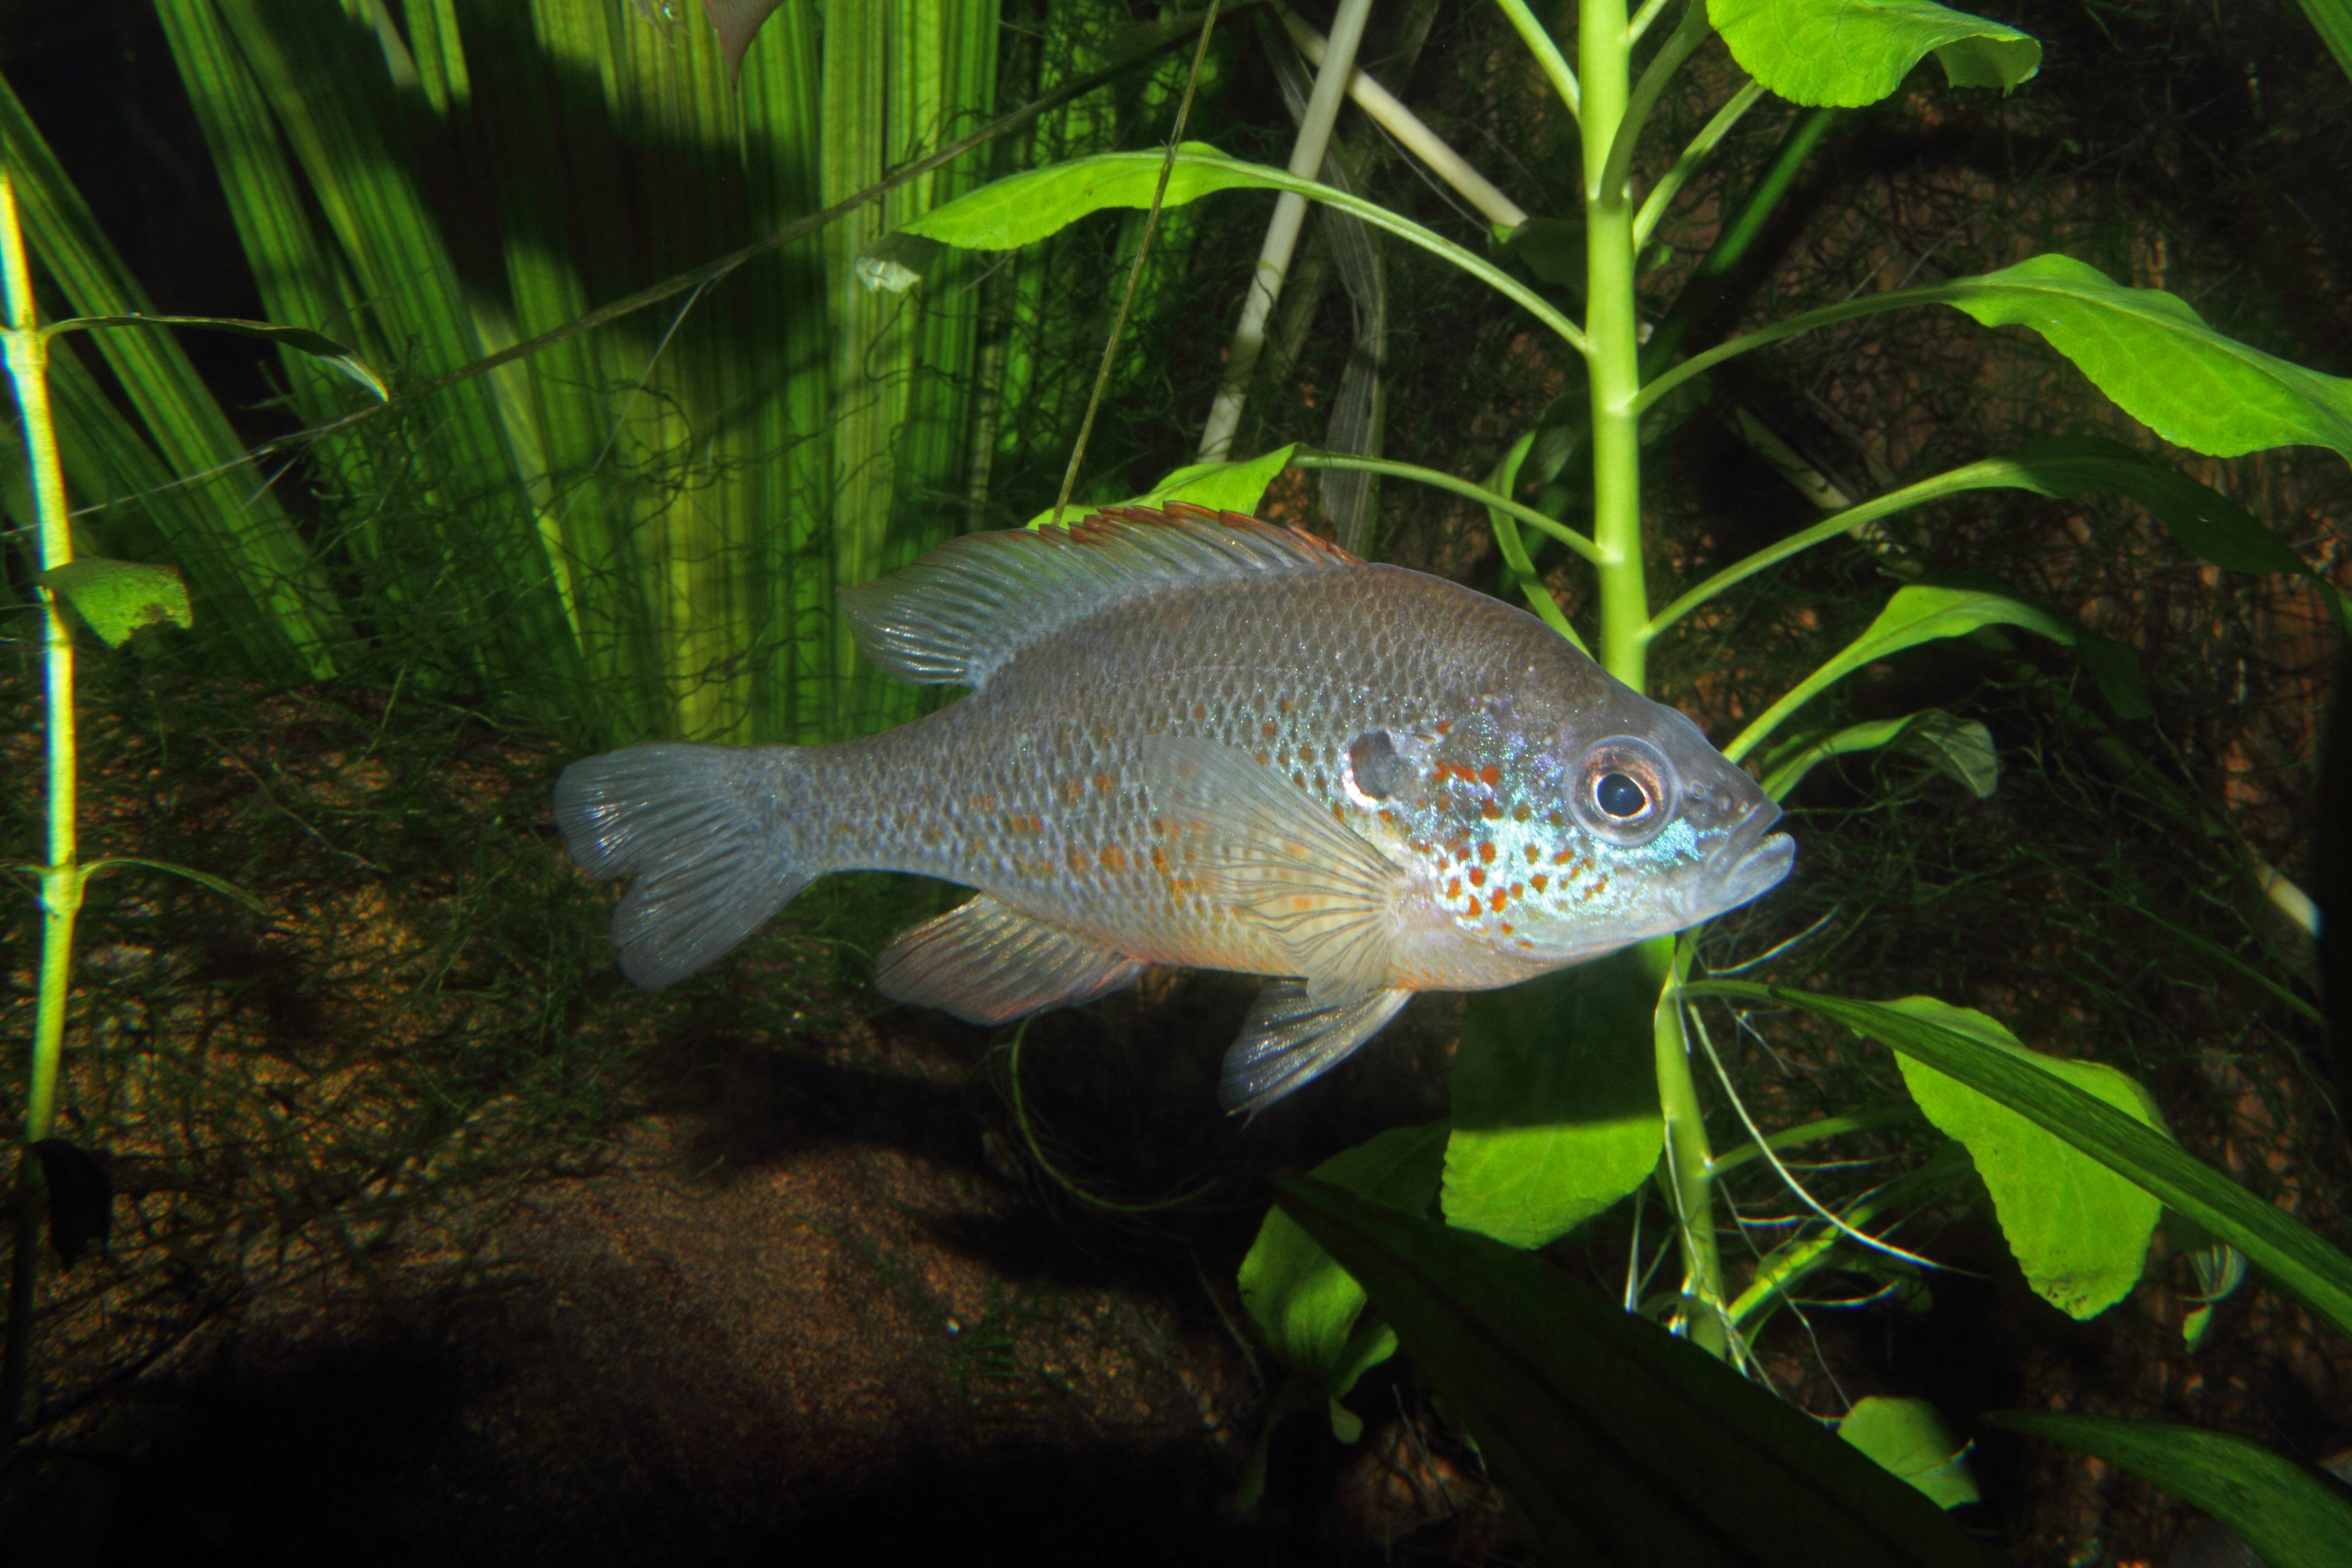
(1751,861)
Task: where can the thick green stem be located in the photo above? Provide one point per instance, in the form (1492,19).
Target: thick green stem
(1612,360)
(61,881)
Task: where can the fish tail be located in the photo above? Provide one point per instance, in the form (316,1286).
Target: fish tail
(714,838)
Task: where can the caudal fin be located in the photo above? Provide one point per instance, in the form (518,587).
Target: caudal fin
(707,833)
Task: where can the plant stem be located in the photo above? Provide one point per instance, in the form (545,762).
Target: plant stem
(1612,360)
(61,880)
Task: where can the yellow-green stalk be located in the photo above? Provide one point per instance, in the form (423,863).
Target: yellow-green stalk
(62,880)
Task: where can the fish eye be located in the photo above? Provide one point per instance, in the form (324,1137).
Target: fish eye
(1625,790)
(1376,768)
(1620,795)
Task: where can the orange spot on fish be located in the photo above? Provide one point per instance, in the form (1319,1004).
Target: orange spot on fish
(1453,887)
(1507,927)
(1474,906)
(1307,752)
(1520,813)
(1555,818)
(1282,759)
(1497,898)
(1563,856)
(1534,853)
(1078,861)
(1105,782)
(986,802)
(1486,854)
(1540,882)
(1261,757)
(1490,811)
(1300,779)
(1490,774)
(1444,726)
(1477,876)
(1269,729)
(1388,817)
(1519,889)
(1199,712)
(1284,704)
(1159,859)
(1113,858)
(1072,789)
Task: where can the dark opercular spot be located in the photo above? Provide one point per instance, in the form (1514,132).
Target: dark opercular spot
(1620,795)
(1379,771)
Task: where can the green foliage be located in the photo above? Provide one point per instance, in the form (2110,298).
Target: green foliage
(1614,1440)
(1553,1119)
(2294,1258)
(2158,359)
(2079,1230)
(1909,1438)
(1221,487)
(301,340)
(2293,1515)
(1305,1304)
(1847,53)
(115,598)
(1960,748)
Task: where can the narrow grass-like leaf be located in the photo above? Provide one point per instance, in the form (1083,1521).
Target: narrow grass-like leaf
(302,340)
(2293,1515)
(2294,1258)
(2334,20)
(1616,1442)
(1847,53)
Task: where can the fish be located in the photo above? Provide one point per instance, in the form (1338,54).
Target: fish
(1193,738)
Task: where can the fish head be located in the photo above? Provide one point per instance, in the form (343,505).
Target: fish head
(1547,837)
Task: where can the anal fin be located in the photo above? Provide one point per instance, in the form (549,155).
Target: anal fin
(987,963)
(1290,1037)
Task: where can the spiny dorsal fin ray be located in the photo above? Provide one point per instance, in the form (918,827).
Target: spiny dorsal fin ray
(987,963)
(961,612)
(1289,1039)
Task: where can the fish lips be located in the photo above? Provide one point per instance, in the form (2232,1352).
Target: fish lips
(1752,861)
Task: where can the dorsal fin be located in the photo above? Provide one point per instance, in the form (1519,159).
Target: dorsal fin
(961,612)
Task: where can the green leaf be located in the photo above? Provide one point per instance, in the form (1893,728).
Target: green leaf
(302,340)
(1023,208)
(1909,1438)
(118,598)
(2334,20)
(1919,612)
(2295,1258)
(1960,748)
(226,888)
(1552,248)
(1847,53)
(2160,360)
(1555,1102)
(2209,524)
(1221,487)
(1306,1305)
(1616,1442)
(2293,1515)
(2079,1230)
(2115,666)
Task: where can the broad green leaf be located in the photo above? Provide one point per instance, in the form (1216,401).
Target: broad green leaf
(1616,1442)
(1306,1305)
(2160,360)
(1960,748)
(2209,524)
(2297,1261)
(1221,487)
(2293,1515)
(1847,53)
(1555,1102)
(302,340)
(118,598)
(1909,1438)
(1919,612)
(2079,1230)
(1024,208)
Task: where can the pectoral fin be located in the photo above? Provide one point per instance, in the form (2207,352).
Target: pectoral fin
(987,963)
(1323,902)
(1289,1038)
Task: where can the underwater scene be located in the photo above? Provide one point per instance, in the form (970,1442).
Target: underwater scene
(1511,782)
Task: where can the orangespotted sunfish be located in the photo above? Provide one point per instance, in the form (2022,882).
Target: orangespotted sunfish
(1198,739)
